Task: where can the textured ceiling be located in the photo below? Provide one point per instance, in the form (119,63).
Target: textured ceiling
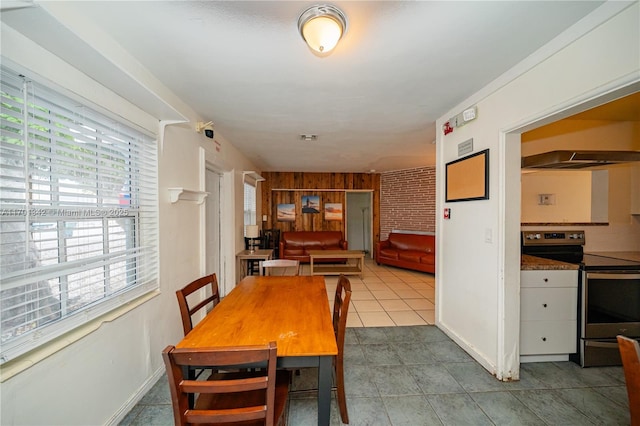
(372,102)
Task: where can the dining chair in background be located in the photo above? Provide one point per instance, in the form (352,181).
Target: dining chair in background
(339,319)
(186,309)
(280,267)
(256,398)
(630,354)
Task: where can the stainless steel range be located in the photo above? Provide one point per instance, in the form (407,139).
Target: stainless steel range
(608,294)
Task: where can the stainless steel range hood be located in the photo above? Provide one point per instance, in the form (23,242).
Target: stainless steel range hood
(578,159)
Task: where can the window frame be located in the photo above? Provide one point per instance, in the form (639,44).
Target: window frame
(127,231)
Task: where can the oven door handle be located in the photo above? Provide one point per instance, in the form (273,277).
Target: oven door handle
(607,345)
(620,276)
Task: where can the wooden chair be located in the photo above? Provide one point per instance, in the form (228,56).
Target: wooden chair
(187,311)
(340,311)
(280,267)
(630,354)
(255,398)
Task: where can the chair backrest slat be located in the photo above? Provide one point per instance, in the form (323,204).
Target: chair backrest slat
(186,311)
(280,267)
(223,397)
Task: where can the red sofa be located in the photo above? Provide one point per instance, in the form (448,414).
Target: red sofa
(411,251)
(296,244)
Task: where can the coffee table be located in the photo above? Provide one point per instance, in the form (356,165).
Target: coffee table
(338,268)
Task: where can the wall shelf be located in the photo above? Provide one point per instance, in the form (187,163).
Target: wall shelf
(176,194)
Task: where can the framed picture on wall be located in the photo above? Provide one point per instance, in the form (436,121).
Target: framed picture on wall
(286,213)
(310,204)
(467,178)
(333,211)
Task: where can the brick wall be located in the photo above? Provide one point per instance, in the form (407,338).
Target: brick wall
(408,200)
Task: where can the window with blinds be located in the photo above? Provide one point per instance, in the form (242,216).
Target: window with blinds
(249,204)
(78,214)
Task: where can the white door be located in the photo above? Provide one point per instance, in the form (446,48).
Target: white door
(213,181)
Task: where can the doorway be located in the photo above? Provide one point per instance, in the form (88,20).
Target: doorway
(213,181)
(359,221)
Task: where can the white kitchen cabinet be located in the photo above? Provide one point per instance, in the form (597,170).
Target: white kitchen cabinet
(548,314)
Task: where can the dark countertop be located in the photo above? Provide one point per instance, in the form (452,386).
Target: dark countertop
(627,255)
(533,263)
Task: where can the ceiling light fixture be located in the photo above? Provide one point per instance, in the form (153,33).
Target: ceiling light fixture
(322,26)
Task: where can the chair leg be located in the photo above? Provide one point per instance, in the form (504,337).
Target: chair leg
(342,398)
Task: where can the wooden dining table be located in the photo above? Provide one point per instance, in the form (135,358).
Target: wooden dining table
(292,311)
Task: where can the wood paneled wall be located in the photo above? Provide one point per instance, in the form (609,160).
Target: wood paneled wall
(290,187)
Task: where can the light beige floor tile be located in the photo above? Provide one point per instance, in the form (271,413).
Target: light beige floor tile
(428,315)
(353,320)
(367,306)
(399,286)
(358,286)
(394,305)
(362,295)
(376,319)
(408,294)
(419,304)
(429,293)
(377,286)
(407,318)
(419,285)
(384,294)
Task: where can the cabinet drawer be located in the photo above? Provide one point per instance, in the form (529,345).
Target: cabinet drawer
(548,304)
(568,278)
(548,337)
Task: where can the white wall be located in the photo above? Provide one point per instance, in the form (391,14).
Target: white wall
(99,377)
(478,248)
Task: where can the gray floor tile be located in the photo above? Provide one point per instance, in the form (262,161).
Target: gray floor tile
(599,409)
(457,410)
(381,354)
(473,377)
(358,381)
(435,379)
(370,335)
(600,376)
(402,334)
(551,408)
(552,375)
(353,355)
(156,415)
(131,415)
(505,409)
(367,412)
(429,333)
(159,393)
(414,352)
(446,351)
(410,411)
(527,381)
(617,394)
(395,380)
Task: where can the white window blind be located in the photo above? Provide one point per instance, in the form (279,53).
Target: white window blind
(78,214)
(249,204)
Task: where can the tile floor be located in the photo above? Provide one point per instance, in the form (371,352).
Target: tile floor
(415,375)
(387,296)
